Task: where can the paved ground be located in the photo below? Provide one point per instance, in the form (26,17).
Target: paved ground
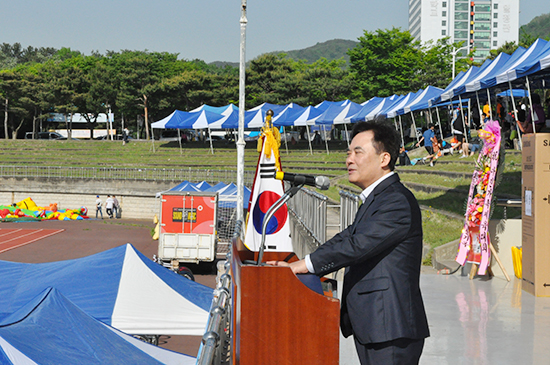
(84,238)
(479,321)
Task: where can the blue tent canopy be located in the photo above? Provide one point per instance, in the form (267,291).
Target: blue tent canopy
(451,91)
(501,75)
(488,67)
(421,101)
(517,93)
(338,114)
(194,120)
(51,329)
(531,56)
(389,111)
(366,109)
(120,287)
(541,64)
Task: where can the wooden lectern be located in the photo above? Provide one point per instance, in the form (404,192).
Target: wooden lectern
(276,318)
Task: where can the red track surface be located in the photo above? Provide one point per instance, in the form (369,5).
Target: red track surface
(13,238)
(87,237)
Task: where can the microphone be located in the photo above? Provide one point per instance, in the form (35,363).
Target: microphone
(320,182)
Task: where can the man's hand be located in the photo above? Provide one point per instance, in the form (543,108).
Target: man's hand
(297,267)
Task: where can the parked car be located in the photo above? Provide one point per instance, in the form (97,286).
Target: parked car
(44,135)
(105,137)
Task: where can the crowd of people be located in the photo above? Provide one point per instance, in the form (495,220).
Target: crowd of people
(463,121)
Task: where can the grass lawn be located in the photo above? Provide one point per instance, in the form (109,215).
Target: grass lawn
(438,228)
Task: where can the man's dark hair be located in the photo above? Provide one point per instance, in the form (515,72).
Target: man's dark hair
(385,138)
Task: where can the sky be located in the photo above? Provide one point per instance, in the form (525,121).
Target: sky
(203,29)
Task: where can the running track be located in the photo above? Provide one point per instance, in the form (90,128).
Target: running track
(13,238)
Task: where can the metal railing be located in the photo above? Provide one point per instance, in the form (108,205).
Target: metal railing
(114,173)
(349,204)
(310,209)
(214,347)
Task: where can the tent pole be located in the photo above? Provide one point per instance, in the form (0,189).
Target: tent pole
(210,134)
(179,140)
(286,142)
(530,103)
(479,109)
(490,106)
(463,121)
(240,142)
(469,115)
(414,125)
(347,137)
(401,132)
(439,122)
(309,139)
(326,139)
(515,114)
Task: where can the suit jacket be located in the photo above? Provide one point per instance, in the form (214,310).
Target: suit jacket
(382,251)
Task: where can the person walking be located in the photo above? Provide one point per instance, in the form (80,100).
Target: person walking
(98,204)
(109,204)
(382,305)
(125,135)
(116,207)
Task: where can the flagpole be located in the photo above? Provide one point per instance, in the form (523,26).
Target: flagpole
(240,141)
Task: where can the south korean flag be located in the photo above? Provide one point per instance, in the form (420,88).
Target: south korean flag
(265,192)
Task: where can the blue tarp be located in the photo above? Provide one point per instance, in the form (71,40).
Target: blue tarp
(120,287)
(227,192)
(51,329)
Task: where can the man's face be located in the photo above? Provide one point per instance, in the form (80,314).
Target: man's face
(363,163)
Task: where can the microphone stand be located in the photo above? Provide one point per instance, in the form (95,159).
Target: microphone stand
(278,204)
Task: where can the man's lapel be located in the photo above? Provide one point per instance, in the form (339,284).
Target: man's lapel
(383,185)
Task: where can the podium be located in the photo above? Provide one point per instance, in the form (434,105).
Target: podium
(276,318)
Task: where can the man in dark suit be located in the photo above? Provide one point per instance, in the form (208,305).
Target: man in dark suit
(381,302)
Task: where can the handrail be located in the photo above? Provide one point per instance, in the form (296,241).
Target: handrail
(215,341)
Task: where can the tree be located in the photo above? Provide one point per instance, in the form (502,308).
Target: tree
(327,80)
(137,77)
(385,62)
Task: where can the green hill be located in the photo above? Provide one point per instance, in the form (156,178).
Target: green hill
(331,50)
(539,27)
(334,49)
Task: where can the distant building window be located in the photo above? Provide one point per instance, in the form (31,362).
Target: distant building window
(444,13)
(482,35)
(495,25)
(444,5)
(461,25)
(482,8)
(482,16)
(443,32)
(461,34)
(462,6)
(482,26)
(461,16)
(494,43)
(495,15)
(495,34)
(479,53)
(444,23)
(495,6)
